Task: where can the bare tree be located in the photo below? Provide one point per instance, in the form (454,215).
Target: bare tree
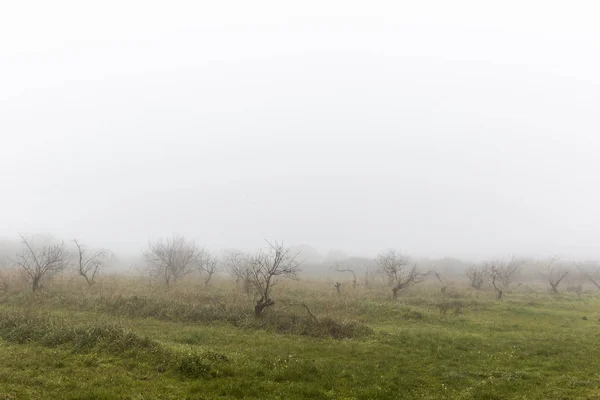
(400,270)
(508,268)
(339,268)
(476,275)
(172,259)
(554,273)
(238,265)
(494,270)
(89,263)
(208,266)
(591,272)
(267,268)
(41,261)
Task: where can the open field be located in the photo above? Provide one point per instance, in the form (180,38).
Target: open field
(126,339)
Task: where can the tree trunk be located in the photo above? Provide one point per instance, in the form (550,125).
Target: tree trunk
(36,283)
(395,292)
(261,305)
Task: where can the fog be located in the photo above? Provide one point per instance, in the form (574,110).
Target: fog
(440,128)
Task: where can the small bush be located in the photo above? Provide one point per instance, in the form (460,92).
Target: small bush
(169,310)
(192,366)
(308,326)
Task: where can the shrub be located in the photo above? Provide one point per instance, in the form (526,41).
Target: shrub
(310,326)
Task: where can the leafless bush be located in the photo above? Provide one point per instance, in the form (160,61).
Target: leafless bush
(239,267)
(476,275)
(267,268)
(172,259)
(89,263)
(400,270)
(43,260)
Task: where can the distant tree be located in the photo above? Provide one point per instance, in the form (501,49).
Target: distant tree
(239,267)
(501,273)
(494,271)
(208,266)
(508,269)
(89,263)
(476,275)
(172,259)
(400,270)
(554,272)
(43,260)
(267,268)
(591,272)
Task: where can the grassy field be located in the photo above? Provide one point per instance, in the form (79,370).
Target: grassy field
(125,339)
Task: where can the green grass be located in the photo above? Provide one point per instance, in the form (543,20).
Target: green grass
(127,341)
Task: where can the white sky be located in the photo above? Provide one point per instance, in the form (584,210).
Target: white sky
(464,129)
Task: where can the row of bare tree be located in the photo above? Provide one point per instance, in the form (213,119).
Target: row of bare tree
(40,260)
(500,274)
(172,259)
(168,260)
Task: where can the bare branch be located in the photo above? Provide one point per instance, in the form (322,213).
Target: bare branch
(238,266)
(476,275)
(41,261)
(401,272)
(267,268)
(208,266)
(554,272)
(339,268)
(89,264)
(172,259)
(590,272)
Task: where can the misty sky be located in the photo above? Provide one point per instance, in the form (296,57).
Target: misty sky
(464,129)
